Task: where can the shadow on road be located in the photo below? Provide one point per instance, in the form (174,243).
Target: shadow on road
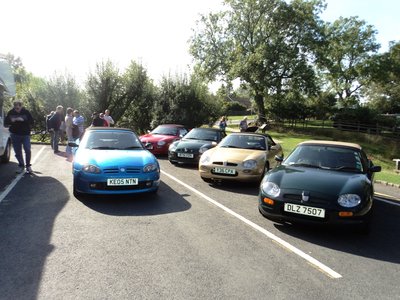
(164,202)
(7,174)
(381,244)
(245,188)
(26,223)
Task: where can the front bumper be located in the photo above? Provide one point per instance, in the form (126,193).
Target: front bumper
(173,156)
(241,174)
(97,184)
(276,213)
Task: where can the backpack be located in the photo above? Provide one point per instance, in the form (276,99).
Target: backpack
(49,124)
(75,131)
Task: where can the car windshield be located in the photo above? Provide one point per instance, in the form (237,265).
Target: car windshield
(202,134)
(244,141)
(111,140)
(326,157)
(165,130)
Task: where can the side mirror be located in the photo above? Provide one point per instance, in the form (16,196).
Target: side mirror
(279,158)
(375,169)
(73,144)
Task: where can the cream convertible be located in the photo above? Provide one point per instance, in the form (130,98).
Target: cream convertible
(240,157)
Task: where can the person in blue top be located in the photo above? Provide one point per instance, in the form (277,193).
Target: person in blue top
(222,124)
(20,122)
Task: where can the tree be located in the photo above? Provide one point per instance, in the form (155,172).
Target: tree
(267,44)
(343,57)
(384,90)
(104,87)
(185,101)
(136,108)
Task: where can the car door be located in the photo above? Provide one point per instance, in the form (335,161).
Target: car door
(273,149)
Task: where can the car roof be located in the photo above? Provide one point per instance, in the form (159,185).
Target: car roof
(331,143)
(251,133)
(208,128)
(99,128)
(171,125)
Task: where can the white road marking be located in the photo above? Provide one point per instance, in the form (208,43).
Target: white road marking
(323,268)
(4,194)
(387,201)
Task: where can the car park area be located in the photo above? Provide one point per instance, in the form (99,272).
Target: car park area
(190,240)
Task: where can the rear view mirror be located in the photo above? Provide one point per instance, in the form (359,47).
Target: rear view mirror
(375,169)
(73,144)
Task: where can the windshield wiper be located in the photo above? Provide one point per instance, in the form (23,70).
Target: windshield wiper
(131,147)
(346,168)
(229,146)
(103,148)
(304,165)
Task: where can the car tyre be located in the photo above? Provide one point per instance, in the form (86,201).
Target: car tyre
(208,180)
(266,169)
(5,158)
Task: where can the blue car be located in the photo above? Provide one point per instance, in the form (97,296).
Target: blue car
(113,161)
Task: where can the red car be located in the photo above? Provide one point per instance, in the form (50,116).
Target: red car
(158,140)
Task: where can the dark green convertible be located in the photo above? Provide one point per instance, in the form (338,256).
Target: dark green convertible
(320,182)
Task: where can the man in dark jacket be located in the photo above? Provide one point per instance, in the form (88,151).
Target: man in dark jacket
(20,122)
(54,127)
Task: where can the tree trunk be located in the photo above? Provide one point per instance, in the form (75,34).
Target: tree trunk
(259,99)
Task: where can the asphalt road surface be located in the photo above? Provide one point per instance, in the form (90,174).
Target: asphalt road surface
(190,241)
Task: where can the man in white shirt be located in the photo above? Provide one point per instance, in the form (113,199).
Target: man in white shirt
(108,118)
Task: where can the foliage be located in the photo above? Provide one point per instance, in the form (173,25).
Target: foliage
(384,90)
(264,43)
(343,56)
(229,107)
(185,101)
(141,94)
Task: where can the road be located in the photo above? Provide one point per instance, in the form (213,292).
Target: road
(190,241)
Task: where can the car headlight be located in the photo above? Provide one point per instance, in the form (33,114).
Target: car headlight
(271,189)
(172,147)
(250,164)
(202,150)
(205,159)
(150,168)
(161,143)
(349,200)
(91,169)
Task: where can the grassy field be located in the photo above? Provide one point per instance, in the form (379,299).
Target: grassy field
(379,149)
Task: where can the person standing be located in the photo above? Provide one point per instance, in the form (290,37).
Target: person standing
(20,122)
(68,130)
(108,118)
(243,125)
(96,120)
(55,124)
(79,121)
(222,124)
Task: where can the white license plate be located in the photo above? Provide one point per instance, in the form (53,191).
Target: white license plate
(224,171)
(185,155)
(304,210)
(122,181)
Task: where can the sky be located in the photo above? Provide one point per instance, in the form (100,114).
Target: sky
(71,36)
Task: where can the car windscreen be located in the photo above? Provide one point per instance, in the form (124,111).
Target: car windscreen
(244,141)
(111,141)
(202,134)
(326,157)
(165,130)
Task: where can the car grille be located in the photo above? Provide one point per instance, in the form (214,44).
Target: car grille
(185,150)
(229,164)
(103,186)
(115,170)
(312,199)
